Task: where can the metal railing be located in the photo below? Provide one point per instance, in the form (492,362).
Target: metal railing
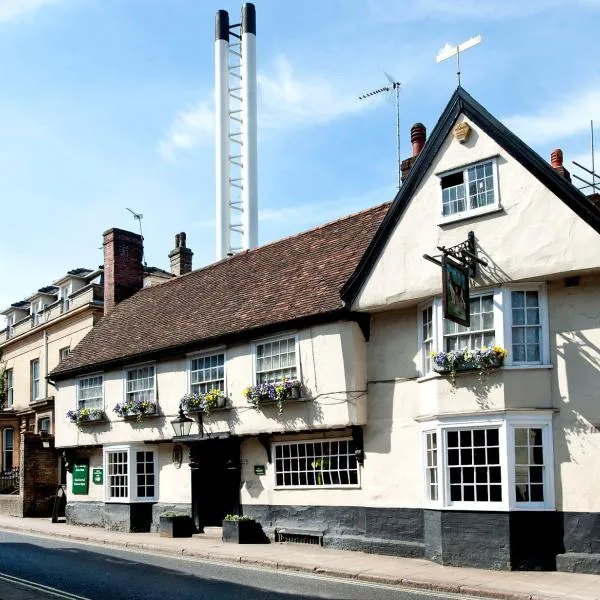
(9,481)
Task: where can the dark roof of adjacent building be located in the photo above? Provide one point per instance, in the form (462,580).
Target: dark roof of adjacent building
(463,103)
(279,285)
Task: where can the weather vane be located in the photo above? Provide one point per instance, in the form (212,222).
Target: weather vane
(449,51)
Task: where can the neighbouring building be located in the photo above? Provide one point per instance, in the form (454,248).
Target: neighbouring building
(41,332)
(388,449)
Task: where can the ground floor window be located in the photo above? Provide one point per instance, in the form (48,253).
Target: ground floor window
(489,464)
(316,463)
(130,474)
(8,447)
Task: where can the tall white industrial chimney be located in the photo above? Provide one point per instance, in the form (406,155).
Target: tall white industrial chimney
(236,135)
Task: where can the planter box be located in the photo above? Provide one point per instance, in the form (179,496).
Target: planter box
(176,527)
(93,419)
(240,532)
(467,366)
(150,412)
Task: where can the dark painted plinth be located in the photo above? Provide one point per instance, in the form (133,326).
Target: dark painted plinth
(242,532)
(131,518)
(175,527)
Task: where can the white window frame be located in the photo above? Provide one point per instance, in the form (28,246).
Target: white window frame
(89,376)
(129,368)
(275,338)
(502,323)
(66,351)
(10,392)
(35,394)
(506,424)
(132,496)
(469,213)
(63,295)
(5,451)
(313,487)
(206,354)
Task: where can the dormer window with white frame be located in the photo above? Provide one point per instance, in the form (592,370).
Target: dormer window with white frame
(64,292)
(470,190)
(514,316)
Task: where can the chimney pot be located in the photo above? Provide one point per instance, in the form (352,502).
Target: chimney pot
(418,135)
(556,158)
(180,256)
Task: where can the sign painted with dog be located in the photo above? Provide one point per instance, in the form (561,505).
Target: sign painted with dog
(456,298)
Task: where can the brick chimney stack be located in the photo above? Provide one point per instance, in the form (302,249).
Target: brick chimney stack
(181,256)
(123,269)
(418,137)
(556,160)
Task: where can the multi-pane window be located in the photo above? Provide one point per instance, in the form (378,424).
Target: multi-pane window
(276,360)
(9,388)
(44,424)
(34,369)
(473,465)
(526,327)
(145,474)
(322,463)
(89,392)
(427,333)
(118,474)
(140,384)
(64,353)
(529,464)
(8,448)
(431,470)
(481,332)
(207,373)
(469,189)
(65,290)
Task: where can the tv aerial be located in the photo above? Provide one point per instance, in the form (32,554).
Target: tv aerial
(393,87)
(449,51)
(595,185)
(138,217)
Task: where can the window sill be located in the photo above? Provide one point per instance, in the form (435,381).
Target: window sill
(527,367)
(482,507)
(434,375)
(471,214)
(316,487)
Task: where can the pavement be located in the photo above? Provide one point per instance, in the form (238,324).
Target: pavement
(407,572)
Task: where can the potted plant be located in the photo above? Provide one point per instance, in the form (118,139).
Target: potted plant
(175,525)
(213,399)
(239,529)
(85,415)
(135,408)
(468,360)
(264,393)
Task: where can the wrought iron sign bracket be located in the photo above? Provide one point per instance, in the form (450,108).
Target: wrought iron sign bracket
(464,253)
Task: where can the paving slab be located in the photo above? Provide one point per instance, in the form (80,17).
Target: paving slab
(408,572)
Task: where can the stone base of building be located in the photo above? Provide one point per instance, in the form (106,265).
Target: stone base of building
(130,518)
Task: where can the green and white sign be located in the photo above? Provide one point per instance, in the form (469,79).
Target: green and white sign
(80,479)
(98,476)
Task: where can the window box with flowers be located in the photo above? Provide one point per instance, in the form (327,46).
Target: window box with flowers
(273,393)
(455,361)
(204,403)
(135,408)
(82,416)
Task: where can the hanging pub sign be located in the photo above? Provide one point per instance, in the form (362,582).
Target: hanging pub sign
(455,286)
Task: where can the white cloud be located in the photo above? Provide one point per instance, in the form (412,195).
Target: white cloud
(560,119)
(10,9)
(191,128)
(286,100)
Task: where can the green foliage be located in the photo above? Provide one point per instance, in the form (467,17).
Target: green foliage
(237,518)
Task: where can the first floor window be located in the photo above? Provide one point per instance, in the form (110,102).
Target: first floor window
(207,373)
(8,447)
(64,353)
(44,424)
(526,327)
(9,388)
(89,392)
(34,369)
(131,473)
(481,331)
(316,463)
(140,384)
(276,360)
(471,465)
(427,333)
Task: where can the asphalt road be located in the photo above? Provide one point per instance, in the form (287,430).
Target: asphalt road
(101,573)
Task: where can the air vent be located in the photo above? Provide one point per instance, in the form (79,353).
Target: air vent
(299,536)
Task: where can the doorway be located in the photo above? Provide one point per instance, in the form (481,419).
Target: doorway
(215,466)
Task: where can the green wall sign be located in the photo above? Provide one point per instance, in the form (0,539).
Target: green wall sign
(98,476)
(80,479)
(259,469)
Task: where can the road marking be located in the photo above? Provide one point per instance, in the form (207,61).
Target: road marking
(399,587)
(32,585)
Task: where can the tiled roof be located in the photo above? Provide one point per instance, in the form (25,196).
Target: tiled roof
(294,278)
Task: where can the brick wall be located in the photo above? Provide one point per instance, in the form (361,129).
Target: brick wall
(39,475)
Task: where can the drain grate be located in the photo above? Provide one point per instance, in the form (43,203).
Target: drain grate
(299,536)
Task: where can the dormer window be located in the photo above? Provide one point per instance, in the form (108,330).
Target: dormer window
(65,290)
(470,190)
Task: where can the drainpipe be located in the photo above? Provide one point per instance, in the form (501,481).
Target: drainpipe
(45,363)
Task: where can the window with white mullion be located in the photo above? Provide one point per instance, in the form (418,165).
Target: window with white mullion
(35,379)
(89,392)
(431,466)
(529,464)
(276,360)
(140,384)
(469,189)
(145,474)
(481,185)
(427,337)
(8,446)
(118,474)
(526,327)
(207,373)
(481,332)
(9,388)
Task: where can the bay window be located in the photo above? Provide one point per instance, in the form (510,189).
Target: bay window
(131,473)
(515,317)
(482,463)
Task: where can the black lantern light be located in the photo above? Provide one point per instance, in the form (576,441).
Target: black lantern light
(182,424)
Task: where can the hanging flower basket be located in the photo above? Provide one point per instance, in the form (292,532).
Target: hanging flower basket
(455,361)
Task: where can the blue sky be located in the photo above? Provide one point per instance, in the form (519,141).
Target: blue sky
(107,104)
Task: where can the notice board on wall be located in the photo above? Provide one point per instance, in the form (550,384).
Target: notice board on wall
(80,478)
